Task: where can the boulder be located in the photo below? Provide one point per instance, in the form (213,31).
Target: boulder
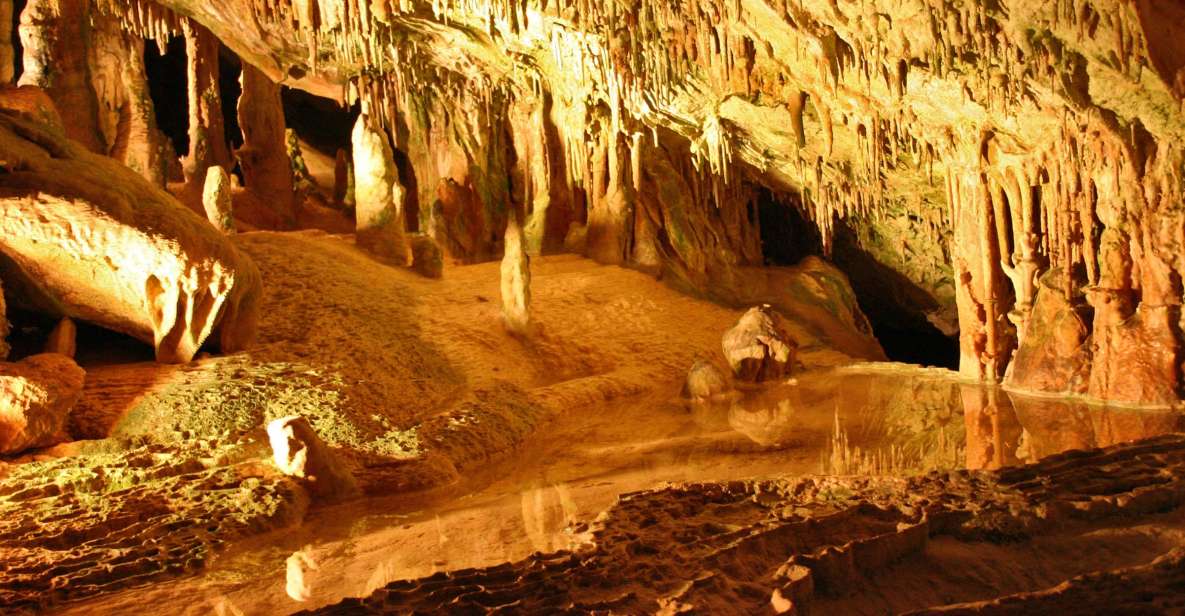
(759,347)
(36,395)
(85,237)
(705,381)
(426,257)
(298,452)
(216,200)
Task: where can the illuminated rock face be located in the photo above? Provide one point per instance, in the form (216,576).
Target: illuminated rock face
(516,282)
(36,395)
(94,71)
(378,195)
(298,452)
(87,238)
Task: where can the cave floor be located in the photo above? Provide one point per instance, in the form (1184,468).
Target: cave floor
(476,449)
(863,420)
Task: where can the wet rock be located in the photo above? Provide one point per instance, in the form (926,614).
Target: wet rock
(426,257)
(759,348)
(36,395)
(299,452)
(516,281)
(85,237)
(1054,355)
(705,381)
(216,199)
(62,338)
(378,195)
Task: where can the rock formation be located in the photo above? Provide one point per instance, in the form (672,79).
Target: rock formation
(758,348)
(216,200)
(207,135)
(378,196)
(298,452)
(95,70)
(63,338)
(267,172)
(36,395)
(426,256)
(516,281)
(704,381)
(85,237)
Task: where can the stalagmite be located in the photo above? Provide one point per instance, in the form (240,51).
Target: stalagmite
(207,137)
(267,172)
(216,200)
(378,196)
(62,339)
(516,281)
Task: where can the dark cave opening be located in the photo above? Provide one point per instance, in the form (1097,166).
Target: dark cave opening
(18,49)
(896,308)
(167,87)
(229,90)
(320,122)
(787,237)
(96,346)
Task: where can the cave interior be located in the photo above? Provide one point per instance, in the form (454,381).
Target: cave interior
(613,306)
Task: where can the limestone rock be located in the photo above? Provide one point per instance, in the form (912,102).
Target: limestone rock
(34,103)
(216,199)
(299,452)
(426,257)
(36,395)
(62,340)
(267,172)
(377,194)
(516,281)
(207,137)
(759,348)
(1054,355)
(85,237)
(705,381)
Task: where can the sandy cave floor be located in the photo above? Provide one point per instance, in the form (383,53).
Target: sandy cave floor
(417,384)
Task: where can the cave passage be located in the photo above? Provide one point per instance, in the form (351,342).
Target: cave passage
(166,85)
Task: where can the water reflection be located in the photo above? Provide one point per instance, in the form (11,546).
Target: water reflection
(297,566)
(901,420)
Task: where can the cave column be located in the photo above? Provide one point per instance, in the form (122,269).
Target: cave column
(267,171)
(984,341)
(207,136)
(7,51)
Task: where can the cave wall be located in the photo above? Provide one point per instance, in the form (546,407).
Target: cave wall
(987,154)
(93,70)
